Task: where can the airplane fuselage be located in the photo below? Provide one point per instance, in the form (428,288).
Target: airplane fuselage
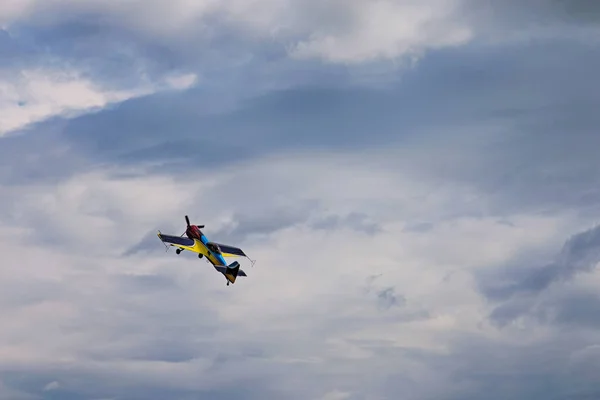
(211,252)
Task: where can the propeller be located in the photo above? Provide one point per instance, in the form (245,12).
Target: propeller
(187,220)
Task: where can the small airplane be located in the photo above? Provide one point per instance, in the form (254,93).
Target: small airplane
(197,242)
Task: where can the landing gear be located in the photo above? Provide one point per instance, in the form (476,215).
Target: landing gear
(227,283)
(178,251)
(200,255)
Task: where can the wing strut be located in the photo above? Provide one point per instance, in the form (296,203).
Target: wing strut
(166,247)
(251,261)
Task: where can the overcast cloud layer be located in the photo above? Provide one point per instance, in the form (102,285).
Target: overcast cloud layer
(417,180)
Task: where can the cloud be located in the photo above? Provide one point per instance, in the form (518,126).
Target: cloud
(152,323)
(384,220)
(182,81)
(411,113)
(31,96)
(358,221)
(519,370)
(36,95)
(556,11)
(103,310)
(52,386)
(580,254)
(385,30)
(517,22)
(336,395)
(338,32)
(528,292)
(105,48)
(9,393)
(343,32)
(388,299)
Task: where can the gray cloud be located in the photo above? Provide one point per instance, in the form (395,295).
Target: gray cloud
(264,223)
(540,371)
(575,11)
(507,20)
(355,220)
(243,227)
(575,309)
(413,112)
(515,124)
(387,298)
(420,227)
(118,319)
(146,245)
(579,254)
(522,292)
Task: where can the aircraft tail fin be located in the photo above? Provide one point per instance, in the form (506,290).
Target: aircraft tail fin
(232,271)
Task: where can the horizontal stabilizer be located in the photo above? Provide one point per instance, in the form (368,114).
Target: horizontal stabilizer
(224,271)
(233,266)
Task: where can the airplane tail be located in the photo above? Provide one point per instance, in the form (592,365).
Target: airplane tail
(232,271)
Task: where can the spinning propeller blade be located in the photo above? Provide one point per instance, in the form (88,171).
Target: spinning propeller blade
(187,219)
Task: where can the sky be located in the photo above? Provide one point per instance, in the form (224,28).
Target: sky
(416,180)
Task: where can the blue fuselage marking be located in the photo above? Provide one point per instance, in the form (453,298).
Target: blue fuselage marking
(219,257)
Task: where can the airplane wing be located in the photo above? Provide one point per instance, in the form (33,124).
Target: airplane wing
(181,242)
(231,251)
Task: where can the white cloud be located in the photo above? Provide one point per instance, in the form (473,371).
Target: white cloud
(386,29)
(332,30)
(181,82)
(337,31)
(311,281)
(13,9)
(52,386)
(32,95)
(340,308)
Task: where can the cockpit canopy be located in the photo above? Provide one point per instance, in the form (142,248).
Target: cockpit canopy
(213,247)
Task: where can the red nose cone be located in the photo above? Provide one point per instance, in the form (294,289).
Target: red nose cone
(193,232)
